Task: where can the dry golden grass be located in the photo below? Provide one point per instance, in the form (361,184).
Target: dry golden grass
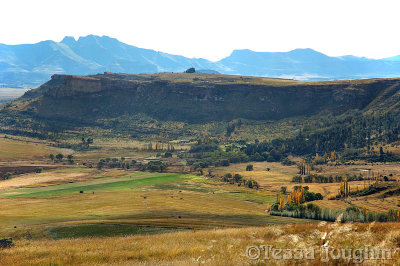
(46,178)
(26,149)
(210,247)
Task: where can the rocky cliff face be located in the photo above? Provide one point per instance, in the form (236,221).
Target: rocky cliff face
(202,97)
(77,85)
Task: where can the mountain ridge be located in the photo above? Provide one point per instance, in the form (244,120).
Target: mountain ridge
(33,64)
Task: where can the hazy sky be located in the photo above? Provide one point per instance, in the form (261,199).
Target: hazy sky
(212,28)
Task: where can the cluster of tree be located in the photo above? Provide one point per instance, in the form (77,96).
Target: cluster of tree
(368,191)
(87,141)
(314,178)
(240,180)
(371,155)
(332,156)
(350,214)
(207,147)
(351,130)
(59,158)
(296,197)
(158,146)
(273,151)
(232,126)
(208,153)
(308,195)
(115,163)
(371,186)
(153,166)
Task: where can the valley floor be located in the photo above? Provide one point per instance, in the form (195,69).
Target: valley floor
(76,214)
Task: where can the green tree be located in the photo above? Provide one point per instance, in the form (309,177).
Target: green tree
(238,178)
(59,156)
(249,167)
(70,159)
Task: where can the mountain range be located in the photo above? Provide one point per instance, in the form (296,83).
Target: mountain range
(32,64)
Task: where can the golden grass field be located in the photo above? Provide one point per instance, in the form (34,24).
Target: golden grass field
(19,148)
(217,247)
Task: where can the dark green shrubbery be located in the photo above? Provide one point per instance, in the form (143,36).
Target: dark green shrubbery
(314,178)
(240,180)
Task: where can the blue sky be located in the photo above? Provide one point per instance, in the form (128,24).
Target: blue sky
(212,29)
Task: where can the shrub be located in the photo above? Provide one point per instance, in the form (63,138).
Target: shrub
(167,154)
(38,170)
(238,178)
(7,175)
(249,167)
(227,177)
(59,156)
(6,242)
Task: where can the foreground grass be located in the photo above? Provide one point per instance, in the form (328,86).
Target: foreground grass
(210,247)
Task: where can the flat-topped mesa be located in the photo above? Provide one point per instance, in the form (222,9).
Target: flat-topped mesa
(77,85)
(204,97)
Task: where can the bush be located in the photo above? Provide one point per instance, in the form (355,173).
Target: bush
(70,159)
(38,170)
(6,242)
(227,177)
(249,167)
(6,176)
(167,155)
(238,178)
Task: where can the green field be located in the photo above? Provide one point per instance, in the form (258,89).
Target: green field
(103,184)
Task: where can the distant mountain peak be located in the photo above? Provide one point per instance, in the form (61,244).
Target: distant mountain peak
(32,64)
(68,40)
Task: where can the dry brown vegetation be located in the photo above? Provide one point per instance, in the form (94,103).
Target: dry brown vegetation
(210,247)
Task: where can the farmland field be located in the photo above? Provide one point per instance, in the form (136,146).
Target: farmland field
(128,198)
(75,205)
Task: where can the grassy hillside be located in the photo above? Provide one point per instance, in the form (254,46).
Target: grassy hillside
(169,106)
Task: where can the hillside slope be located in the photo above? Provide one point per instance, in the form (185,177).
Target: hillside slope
(198,98)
